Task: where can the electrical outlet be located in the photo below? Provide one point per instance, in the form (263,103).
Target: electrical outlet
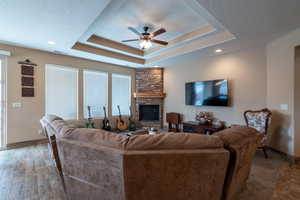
(16,105)
(284,107)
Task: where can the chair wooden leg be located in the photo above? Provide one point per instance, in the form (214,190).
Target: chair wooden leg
(265,152)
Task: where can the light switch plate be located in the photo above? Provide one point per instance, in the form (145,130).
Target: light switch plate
(284,106)
(16,105)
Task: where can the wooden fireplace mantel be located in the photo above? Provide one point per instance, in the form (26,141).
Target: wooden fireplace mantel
(149,95)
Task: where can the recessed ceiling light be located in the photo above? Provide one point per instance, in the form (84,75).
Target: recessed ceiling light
(51,42)
(156,66)
(219,50)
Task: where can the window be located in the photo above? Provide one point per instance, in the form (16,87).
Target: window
(95,86)
(121,93)
(61,91)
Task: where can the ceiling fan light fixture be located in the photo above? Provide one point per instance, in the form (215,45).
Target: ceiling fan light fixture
(145,44)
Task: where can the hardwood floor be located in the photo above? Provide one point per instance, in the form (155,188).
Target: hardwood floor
(27,174)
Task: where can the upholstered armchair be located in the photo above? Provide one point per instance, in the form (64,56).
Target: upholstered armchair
(259,119)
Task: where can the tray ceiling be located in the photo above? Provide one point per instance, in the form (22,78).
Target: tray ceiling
(93,29)
(171,14)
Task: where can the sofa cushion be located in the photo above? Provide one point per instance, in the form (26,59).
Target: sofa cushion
(101,137)
(98,137)
(144,142)
(173,141)
(237,134)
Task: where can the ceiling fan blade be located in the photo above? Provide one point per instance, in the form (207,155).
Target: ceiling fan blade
(134,31)
(158,32)
(159,42)
(130,40)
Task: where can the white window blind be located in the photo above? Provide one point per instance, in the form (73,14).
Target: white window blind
(61,91)
(95,86)
(121,93)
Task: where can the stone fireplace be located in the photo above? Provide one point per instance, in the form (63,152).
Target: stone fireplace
(149,96)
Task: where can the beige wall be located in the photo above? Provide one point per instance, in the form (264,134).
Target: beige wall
(245,70)
(281,82)
(23,123)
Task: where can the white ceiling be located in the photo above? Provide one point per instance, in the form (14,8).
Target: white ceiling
(32,23)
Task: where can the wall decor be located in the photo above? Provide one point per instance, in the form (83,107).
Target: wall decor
(27,70)
(27,81)
(27,92)
(27,78)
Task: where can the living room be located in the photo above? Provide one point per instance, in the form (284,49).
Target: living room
(108,99)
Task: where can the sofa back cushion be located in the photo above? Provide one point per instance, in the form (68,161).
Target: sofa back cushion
(173,141)
(144,142)
(101,137)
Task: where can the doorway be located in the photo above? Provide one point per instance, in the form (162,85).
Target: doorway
(3,102)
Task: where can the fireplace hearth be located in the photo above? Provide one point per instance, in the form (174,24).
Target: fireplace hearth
(149,113)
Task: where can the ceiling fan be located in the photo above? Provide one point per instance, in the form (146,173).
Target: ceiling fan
(146,38)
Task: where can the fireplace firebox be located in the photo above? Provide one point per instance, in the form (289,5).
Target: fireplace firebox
(149,113)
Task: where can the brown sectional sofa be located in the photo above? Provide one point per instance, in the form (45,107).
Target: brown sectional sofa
(97,164)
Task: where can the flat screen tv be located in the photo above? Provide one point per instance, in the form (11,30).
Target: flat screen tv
(207,93)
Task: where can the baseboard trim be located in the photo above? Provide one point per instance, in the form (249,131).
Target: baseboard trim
(291,159)
(25,144)
(297,160)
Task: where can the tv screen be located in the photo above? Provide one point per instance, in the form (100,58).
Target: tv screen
(207,93)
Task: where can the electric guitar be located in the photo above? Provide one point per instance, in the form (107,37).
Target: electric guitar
(121,125)
(131,124)
(105,121)
(90,123)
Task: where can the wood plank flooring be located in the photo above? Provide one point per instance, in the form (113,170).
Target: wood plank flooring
(27,174)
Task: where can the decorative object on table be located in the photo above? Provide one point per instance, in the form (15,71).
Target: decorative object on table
(174,121)
(218,124)
(259,119)
(195,127)
(152,131)
(204,117)
(90,123)
(105,122)
(121,125)
(27,79)
(131,123)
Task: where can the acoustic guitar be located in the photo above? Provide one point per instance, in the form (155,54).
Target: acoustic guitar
(131,123)
(105,122)
(121,125)
(90,123)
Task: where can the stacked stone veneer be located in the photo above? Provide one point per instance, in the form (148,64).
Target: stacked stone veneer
(150,81)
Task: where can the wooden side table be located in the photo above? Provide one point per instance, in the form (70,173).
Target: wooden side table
(195,127)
